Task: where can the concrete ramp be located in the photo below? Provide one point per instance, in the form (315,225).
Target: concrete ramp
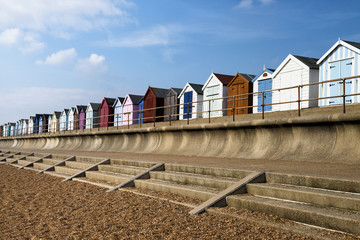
(323,138)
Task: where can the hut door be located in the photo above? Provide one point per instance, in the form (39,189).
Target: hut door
(334,87)
(188,96)
(264,85)
(345,71)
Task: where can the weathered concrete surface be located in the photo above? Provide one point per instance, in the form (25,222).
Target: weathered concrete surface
(331,138)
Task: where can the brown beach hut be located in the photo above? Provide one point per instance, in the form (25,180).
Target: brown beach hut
(240,84)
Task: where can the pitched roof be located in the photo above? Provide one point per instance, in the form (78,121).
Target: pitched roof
(224,79)
(177,90)
(159,92)
(310,62)
(110,101)
(66,111)
(57,114)
(95,106)
(135,98)
(197,87)
(79,107)
(354,44)
(248,77)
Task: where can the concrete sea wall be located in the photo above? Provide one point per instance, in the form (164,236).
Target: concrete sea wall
(323,138)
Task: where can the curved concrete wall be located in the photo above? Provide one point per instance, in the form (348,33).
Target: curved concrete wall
(330,138)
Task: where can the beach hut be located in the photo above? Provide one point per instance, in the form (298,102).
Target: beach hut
(141,110)
(36,123)
(191,103)
(24,126)
(92,115)
(295,71)
(106,112)
(43,123)
(82,118)
(1,130)
(31,124)
(76,116)
(172,98)
(55,121)
(236,102)
(11,129)
(71,118)
(131,109)
(118,111)
(263,83)
(154,98)
(17,127)
(342,60)
(50,123)
(215,88)
(64,120)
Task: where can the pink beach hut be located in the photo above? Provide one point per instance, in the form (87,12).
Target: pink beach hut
(82,118)
(130,107)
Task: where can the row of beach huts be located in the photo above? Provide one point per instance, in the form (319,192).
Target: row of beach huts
(220,95)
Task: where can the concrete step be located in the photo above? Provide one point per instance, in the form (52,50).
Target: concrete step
(78,165)
(124,169)
(193,179)
(9,160)
(196,192)
(51,161)
(23,162)
(59,156)
(133,163)
(31,158)
(89,181)
(57,174)
(85,159)
(41,166)
(331,183)
(332,218)
(67,170)
(111,178)
(328,198)
(41,155)
(213,171)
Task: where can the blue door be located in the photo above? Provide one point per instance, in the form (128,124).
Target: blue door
(265,85)
(345,71)
(36,125)
(334,86)
(188,96)
(141,111)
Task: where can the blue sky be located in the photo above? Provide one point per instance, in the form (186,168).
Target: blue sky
(56,54)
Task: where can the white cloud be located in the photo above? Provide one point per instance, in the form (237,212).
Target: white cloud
(10,36)
(93,65)
(157,36)
(62,16)
(52,99)
(60,57)
(247,4)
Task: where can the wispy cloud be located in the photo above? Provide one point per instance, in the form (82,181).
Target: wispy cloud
(59,58)
(93,65)
(62,16)
(52,99)
(161,35)
(247,4)
(155,36)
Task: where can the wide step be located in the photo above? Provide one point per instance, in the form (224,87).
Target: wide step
(195,192)
(344,200)
(107,177)
(122,169)
(193,179)
(332,218)
(41,166)
(67,170)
